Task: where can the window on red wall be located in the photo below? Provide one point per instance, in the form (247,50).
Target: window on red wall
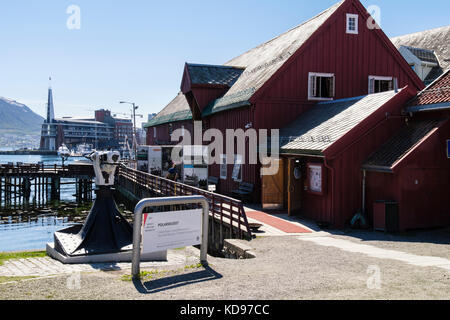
(321,86)
(352,23)
(380,84)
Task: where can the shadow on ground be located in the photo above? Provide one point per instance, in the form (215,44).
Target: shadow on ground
(163,284)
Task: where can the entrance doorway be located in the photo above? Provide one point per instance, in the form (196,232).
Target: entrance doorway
(273,188)
(295,177)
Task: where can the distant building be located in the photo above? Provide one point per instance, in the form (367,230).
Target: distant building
(103,131)
(123,127)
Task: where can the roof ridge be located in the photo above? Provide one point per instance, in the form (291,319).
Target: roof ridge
(418,32)
(336,5)
(213,66)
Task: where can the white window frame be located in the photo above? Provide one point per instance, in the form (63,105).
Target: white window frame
(313,83)
(352,16)
(154,132)
(223,167)
(371,88)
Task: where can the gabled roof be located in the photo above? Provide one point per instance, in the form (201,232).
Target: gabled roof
(201,74)
(393,151)
(435,96)
(262,62)
(436,39)
(177,110)
(327,122)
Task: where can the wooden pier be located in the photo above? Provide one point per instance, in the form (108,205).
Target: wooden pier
(37,184)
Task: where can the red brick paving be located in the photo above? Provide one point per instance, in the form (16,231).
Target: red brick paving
(277,223)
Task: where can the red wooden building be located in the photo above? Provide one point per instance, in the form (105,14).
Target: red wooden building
(412,168)
(330,67)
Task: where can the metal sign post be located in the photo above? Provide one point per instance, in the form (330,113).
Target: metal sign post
(157,202)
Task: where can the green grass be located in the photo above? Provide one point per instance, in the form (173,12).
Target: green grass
(4,256)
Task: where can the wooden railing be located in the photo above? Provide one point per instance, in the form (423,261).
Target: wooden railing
(223,209)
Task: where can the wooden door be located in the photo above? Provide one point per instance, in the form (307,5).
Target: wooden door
(273,188)
(294,186)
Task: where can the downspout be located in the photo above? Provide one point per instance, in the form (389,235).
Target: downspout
(361,216)
(364,193)
(325,162)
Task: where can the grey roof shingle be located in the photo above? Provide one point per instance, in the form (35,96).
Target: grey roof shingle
(327,122)
(177,110)
(213,75)
(399,145)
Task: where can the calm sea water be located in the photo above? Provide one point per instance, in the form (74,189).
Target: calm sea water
(25,233)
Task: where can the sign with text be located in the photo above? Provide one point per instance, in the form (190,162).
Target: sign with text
(171,230)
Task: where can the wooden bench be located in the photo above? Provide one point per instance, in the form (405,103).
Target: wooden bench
(245,191)
(213,184)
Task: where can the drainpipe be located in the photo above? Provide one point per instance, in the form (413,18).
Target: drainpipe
(332,186)
(364,193)
(361,216)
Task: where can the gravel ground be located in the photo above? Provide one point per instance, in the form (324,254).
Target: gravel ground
(285,269)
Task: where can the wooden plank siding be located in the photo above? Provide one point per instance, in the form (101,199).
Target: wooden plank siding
(163,136)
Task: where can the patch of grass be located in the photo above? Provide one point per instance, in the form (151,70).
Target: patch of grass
(4,256)
(14,279)
(144,275)
(194,266)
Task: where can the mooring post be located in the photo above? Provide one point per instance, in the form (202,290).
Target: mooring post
(54,188)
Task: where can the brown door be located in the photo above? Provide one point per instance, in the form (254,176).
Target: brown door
(273,188)
(294,186)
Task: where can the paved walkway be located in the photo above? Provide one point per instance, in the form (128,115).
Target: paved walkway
(46,266)
(278,223)
(375,252)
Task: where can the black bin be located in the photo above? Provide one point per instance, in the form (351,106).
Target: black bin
(386,216)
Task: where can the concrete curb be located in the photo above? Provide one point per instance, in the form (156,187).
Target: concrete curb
(237,249)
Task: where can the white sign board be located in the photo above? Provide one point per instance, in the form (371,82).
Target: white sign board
(171,230)
(315,178)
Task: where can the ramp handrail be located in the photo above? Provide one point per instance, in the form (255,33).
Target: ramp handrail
(223,209)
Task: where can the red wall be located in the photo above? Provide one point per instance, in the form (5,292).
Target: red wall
(162,132)
(420,184)
(234,119)
(344,160)
(205,95)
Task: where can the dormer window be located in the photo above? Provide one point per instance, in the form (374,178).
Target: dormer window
(352,23)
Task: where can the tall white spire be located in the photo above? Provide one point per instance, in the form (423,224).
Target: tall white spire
(50,107)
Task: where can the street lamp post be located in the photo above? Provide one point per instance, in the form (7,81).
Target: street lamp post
(135,107)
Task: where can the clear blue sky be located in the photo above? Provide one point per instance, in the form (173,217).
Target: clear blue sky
(135,50)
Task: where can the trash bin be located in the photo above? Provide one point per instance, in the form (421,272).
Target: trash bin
(385,216)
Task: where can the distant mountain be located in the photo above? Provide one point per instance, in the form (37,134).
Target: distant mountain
(17,118)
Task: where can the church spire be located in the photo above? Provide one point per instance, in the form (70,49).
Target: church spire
(50,108)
